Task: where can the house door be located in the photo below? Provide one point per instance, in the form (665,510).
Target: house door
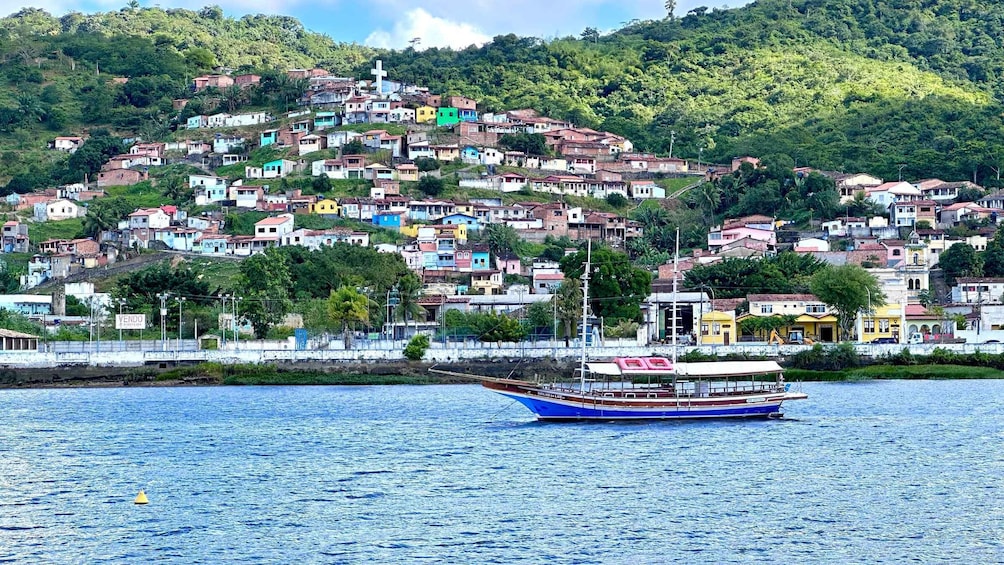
(726,335)
(826,333)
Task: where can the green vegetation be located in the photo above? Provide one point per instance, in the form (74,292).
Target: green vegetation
(63,229)
(416,348)
(884,372)
(262,375)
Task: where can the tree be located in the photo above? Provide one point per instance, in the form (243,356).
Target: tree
(354,147)
(529,143)
(617,200)
(348,307)
(174,187)
(103,215)
(492,326)
(616,288)
(960,260)
(409,291)
(426,164)
(670,8)
(263,283)
(416,347)
(848,290)
(993,259)
(430,186)
(590,34)
(540,316)
(502,239)
(569,297)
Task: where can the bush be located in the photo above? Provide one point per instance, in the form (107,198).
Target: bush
(820,358)
(416,348)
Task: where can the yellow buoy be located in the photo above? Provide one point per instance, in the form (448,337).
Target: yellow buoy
(141,498)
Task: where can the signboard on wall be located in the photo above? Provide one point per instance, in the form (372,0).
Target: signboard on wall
(130,321)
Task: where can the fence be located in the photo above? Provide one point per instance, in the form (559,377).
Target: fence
(56,354)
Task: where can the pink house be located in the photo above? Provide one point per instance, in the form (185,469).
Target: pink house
(509,265)
(758,228)
(211,81)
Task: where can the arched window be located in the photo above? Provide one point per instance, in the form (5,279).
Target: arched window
(909,284)
(916,258)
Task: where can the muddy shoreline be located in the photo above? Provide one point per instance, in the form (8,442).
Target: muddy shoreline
(300,373)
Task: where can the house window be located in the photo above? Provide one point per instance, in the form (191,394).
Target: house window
(815,308)
(716,328)
(870,325)
(884,326)
(766,308)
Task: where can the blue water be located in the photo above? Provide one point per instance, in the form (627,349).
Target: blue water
(859,473)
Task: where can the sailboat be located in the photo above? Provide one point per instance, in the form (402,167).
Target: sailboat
(650,388)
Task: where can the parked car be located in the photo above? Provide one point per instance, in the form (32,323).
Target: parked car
(885,340)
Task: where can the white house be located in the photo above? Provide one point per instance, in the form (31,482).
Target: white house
(61,209)
(274,228)
(978,290)
(149,218)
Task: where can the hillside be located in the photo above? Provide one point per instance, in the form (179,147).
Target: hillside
(863,85)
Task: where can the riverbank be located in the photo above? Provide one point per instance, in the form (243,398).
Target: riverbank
(896,372)
(300,373)
(402,373)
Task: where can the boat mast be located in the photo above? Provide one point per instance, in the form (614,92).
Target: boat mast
(676,270)
(585,305)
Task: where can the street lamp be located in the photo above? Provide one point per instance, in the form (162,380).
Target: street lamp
(237,327)
(121,302)
(181,325)
(163,296)
(223,298)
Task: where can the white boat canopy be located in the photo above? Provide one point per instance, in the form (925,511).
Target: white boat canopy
(604,368)
(727,368)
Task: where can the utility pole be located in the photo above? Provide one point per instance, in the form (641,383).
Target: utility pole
(672,138)
(223,299)
(163,319)
(901,166)
(237,327)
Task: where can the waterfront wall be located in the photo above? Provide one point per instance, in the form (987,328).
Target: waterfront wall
(388,351)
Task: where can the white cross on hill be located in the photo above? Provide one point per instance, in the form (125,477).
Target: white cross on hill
(379,73)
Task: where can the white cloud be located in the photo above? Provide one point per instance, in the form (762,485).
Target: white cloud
(432,31)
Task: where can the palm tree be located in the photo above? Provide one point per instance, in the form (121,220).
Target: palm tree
(348,307)
(233,97)
(174,187)
(409,291)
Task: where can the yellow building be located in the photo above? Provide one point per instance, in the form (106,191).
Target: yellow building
(425,114)
(326,207)
(882,322)
(718,328)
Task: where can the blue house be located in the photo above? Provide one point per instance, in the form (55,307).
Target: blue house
(446,260)
(480,260)
(389,220)
(473,224)
(325,120)
(470,154)
(268,137)
(467,115)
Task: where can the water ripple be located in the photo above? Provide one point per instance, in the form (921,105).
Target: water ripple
(865,472)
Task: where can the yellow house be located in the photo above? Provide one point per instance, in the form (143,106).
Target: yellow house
(465,208)
(882,322)
(810,317)
(325,207)
(459,231)
(718,328)
(424,114)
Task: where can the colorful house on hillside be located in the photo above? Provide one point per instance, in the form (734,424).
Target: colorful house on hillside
(268,137)
(325,207)
(447,117)
(425,114)
(387,219)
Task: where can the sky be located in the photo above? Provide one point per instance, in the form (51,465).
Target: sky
(437,23)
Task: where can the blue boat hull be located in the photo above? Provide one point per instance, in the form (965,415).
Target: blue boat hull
(552,410)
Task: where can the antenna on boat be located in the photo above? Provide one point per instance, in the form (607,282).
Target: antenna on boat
(585,305)
(676,270)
